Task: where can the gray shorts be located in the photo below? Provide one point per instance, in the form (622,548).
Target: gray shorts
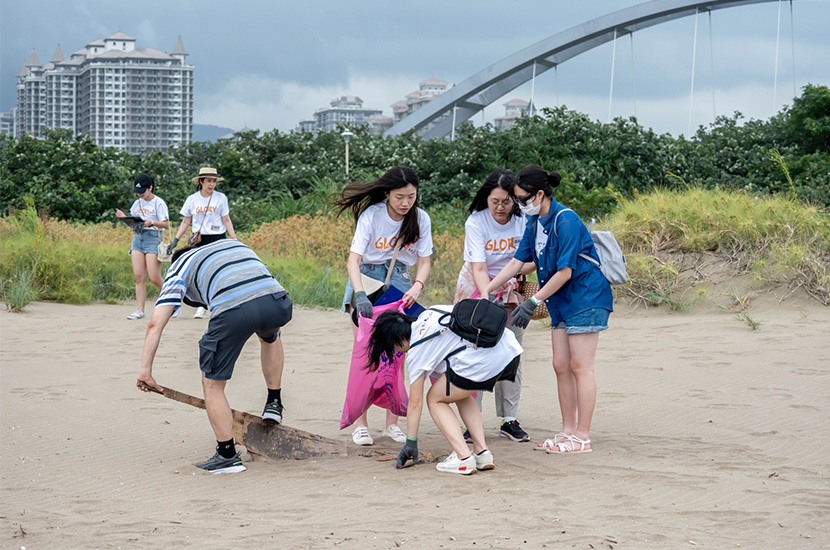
(227,332)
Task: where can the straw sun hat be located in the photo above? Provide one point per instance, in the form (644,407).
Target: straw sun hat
(207,172)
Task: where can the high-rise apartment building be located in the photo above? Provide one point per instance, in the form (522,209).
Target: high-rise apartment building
(125,97)
(513,109)
(346,110)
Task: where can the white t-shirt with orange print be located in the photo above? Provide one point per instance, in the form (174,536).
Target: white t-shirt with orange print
(206,212)
(488,241)
(154,210)
(376,235)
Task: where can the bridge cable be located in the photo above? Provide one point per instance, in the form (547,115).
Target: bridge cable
(532,87)
(792,47)
(613,59)
(712,66)
(775,76)
(692,92)
(633,75)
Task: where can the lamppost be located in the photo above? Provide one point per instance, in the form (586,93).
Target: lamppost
(346,136)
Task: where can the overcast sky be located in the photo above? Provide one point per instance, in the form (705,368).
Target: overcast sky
(265,64)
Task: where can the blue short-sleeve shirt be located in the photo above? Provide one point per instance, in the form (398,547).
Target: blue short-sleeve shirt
(587,287)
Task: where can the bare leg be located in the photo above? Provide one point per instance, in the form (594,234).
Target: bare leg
(471,416)
(439,408)
(139,272)
(565,380)
(583,352)
(218,408)
(272,358)
(154,269)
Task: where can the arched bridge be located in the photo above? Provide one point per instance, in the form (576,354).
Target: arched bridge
(487,86)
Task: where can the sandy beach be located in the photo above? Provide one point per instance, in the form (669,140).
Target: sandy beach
(707,434)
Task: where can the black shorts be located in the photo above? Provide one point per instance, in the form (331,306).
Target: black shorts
(507,373)
(227,332)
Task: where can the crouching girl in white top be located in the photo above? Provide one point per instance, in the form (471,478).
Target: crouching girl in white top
(471,369)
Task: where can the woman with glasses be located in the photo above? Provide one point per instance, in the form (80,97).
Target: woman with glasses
(577,295)
(491,235)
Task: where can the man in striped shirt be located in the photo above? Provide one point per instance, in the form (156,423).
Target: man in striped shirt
(228,278)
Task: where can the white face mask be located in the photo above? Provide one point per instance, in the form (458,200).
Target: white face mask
(530,210)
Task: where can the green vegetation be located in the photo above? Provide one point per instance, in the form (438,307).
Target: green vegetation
(752,194)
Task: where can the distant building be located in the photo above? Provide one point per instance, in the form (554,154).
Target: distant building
(7,122)
(513,109)
(427,90)
(345,110)
(124,97)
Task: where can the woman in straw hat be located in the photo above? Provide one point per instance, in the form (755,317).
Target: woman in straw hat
(206,212)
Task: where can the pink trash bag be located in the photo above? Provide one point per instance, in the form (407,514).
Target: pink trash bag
(384,387)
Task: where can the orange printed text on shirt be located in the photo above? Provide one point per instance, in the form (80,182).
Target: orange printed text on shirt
(500,245)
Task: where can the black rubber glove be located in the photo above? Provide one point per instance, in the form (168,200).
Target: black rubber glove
(363,305)
(492,297)
(523,313)
(172,246)
(409,450)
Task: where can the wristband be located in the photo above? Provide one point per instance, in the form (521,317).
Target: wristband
(412,440)
(360,292)
(534,301)
(422,283)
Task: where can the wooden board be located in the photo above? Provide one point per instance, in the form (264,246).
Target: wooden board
(266,440)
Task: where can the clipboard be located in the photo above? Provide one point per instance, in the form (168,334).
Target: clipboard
(133,221)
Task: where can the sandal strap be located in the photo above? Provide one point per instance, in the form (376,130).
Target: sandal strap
(568,446)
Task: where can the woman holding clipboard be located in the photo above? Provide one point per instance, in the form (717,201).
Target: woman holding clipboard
(149,219)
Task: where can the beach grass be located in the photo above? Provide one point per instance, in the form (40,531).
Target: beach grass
(773,240)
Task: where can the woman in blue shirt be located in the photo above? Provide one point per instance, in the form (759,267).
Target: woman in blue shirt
(576,293)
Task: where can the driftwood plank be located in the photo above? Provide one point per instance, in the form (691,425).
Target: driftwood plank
(266,440)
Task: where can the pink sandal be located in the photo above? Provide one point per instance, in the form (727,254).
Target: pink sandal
(569,446)
(549,444)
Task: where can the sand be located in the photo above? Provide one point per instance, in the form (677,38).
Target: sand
(706,434)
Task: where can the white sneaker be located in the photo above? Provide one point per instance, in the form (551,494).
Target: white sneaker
(201,313)
(361,436)
(135,315)
(394,432)
(453,465)
(484,460)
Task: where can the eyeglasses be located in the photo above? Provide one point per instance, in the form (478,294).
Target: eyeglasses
(496,203)
(522,201)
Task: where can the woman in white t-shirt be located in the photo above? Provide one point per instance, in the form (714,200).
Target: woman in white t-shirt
(206,212)
(491,235)
(386,211)
(473,369)
(146,239)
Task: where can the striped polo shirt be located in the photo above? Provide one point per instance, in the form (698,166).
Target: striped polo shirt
(220,275)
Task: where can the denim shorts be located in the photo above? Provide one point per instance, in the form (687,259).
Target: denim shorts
(146,242)
(400,278)
(590,320)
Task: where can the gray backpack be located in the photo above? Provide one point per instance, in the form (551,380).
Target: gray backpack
(611,259)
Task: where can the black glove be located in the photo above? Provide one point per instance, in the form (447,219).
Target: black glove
(492,298)
(172,246)
(409,450)
(523,313)
(363,305)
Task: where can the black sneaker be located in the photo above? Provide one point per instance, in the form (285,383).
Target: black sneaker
(218,464)
(467,437)
(513,431)
(273,412)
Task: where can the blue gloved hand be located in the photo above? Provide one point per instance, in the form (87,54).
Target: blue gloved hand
(363,305)
(408,451)
(523,313)
(172,246)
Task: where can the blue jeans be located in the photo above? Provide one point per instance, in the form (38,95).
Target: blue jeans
(400,278)
(146,242)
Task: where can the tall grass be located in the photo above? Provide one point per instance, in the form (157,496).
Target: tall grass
(775,240)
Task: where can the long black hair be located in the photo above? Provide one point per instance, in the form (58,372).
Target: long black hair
(391,328)
(499,178)
(533,178)
(357,197)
